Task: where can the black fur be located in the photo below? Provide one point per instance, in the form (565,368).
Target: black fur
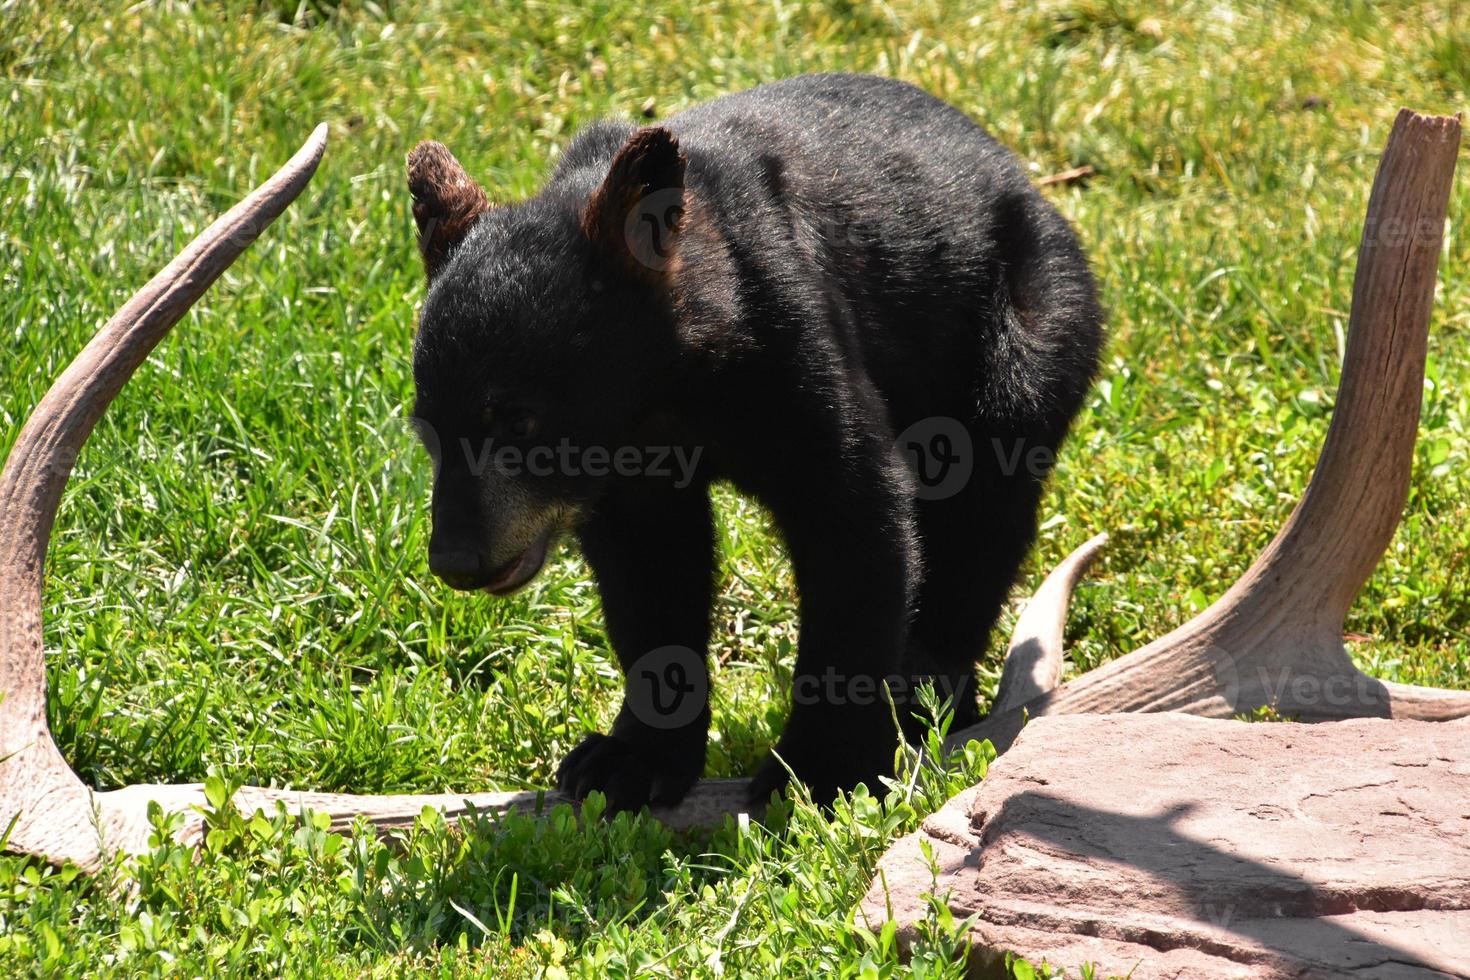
(853,257)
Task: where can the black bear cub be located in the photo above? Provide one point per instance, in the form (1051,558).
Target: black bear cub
(836,293)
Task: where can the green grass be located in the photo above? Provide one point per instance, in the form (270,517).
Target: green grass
(237,583)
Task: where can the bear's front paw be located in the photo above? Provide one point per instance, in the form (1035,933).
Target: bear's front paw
(629,775)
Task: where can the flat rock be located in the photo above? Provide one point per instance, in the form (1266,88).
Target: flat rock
(1163,845)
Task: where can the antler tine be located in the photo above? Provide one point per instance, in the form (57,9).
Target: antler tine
(1034,659)
(55,811)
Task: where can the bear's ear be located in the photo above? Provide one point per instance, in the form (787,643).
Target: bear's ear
(446,202)
(637,212)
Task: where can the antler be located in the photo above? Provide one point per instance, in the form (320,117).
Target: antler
(55,811)
(1275,638)
(1033,663)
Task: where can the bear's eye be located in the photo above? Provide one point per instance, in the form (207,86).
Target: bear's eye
(522,425)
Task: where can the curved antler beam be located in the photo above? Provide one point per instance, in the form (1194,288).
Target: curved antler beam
(54,810)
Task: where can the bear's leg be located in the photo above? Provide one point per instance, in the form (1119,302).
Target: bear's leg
(848,526)
(651,548)
(973,542)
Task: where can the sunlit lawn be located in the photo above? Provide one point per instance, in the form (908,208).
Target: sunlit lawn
(238,582)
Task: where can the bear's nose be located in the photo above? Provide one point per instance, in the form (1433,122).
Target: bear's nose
(459,569)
